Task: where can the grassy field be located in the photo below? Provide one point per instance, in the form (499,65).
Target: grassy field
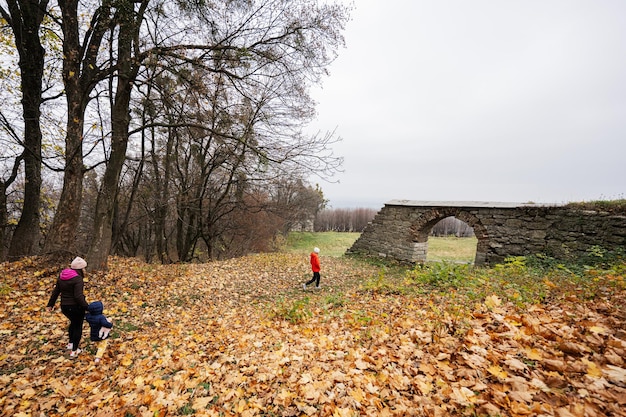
(454,249)
(335,244)
(330,243)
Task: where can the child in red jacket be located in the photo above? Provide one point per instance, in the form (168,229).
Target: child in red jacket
(315,266)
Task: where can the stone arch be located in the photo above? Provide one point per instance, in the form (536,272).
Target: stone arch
(400,230)
(421,227)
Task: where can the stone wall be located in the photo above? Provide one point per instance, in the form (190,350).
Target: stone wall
(400,230)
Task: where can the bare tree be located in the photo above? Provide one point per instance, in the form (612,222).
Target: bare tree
(25,18)
(344,219)
(129,18)
(248,77)
(296,202)
(451,226)
(81,72)
(4,214)
(248,74)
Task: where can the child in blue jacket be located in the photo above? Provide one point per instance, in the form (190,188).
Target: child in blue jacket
(100,326)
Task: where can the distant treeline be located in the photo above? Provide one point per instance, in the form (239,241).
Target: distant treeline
(344,220)
(356,219)
(451,226)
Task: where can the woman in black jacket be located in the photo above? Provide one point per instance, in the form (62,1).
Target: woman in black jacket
(70,286)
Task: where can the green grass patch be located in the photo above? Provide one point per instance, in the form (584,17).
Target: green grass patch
(294,311)
(452,249)
(334,301)
(126,326)
(335,244)
(330,243)
(388,281)
(4,289)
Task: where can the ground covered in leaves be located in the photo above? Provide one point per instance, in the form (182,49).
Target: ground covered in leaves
(241,337)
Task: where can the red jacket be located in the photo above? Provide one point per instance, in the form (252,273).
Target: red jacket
(315,262)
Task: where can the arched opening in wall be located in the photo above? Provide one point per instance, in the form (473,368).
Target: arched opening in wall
(451,240)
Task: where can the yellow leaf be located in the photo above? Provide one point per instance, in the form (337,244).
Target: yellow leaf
(201,402)
(127,361)
(532,354)
(599,330)
(241,405)
(358,395)
(343,412)
(158,383)
(285,397)
(497,371)
(492,301)
(425,387)
(549,283)
(592,369)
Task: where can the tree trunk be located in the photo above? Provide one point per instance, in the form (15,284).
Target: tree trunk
(161,187)
(105,205)
(4,211)
(4,219)
(120,120)
(63,230)
(80,72)
(26,18)
(161,211)
(62,234)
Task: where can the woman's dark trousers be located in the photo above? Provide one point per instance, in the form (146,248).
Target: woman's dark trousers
(76,315)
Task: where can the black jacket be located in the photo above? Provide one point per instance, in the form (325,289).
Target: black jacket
(70,286)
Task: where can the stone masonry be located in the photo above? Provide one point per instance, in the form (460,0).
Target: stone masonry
(400,230)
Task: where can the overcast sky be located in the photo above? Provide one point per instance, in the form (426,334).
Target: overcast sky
(478,100)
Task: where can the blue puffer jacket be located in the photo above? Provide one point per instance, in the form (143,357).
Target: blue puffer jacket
(96,319)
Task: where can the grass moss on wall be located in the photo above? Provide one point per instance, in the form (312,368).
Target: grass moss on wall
(610,206)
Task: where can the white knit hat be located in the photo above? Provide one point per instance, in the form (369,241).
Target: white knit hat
(316,250)
(78,263)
